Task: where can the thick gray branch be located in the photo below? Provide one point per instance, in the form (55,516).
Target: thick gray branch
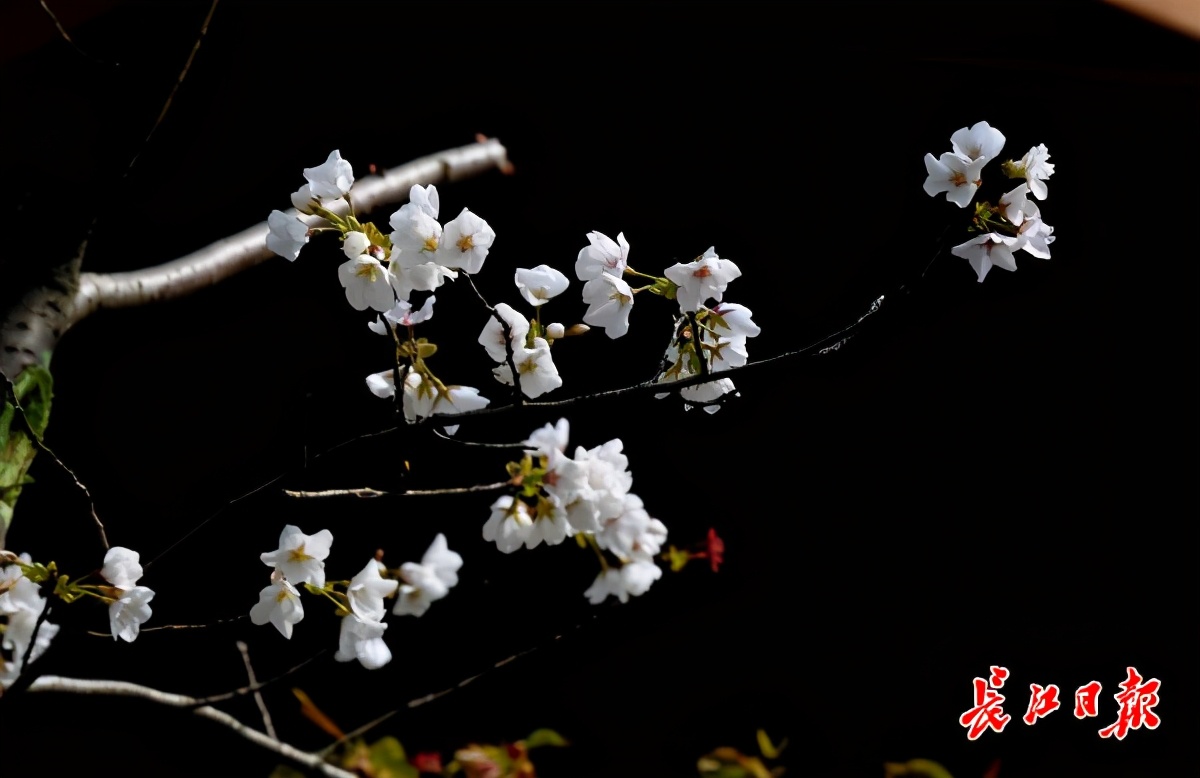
(32,328)
(53,683)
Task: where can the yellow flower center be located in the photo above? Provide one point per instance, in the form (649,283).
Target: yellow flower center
(465,243)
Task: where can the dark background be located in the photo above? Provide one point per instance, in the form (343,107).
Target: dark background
(997,473)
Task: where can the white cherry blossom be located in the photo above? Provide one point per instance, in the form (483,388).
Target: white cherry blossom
(549,525)
(633,579)
(1035,238)
(129,611)
(705,395)
(610,301)
(367,591)
(17,634)
(368,284)
(409,274)
(300,558)
(536,368)
(591,487)
(986,251)
(417,232)
(121,567)
(1012,204)
(1037,170)
(287,234)
(465,243)
(979,143)
(403,315)
(278,604)
(428,581)
(362,639)
(302,199)
(703,279)
(422,399)
(331,179)
(632,534)
(954,175)
(383,384)
(509,525)
(603,255)
(550,441)
(538,285)
(17,593)
(492,338)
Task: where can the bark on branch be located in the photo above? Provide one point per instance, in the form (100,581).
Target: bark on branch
(53,683)
(32,328)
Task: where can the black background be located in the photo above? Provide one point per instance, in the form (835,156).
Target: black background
(997,473)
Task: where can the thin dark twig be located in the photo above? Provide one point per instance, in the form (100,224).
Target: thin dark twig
(258,698)
(82,487)
(255,686)
(508,346)
(479,444)
(419,701)
(11,391)
(144,630)
(26,678)
(178,83)
(276,479)
(65,36)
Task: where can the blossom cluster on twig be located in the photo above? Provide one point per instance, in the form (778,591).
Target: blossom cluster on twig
(1014,223)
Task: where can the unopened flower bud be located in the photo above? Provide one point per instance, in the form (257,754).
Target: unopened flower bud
(555,331)
(577,329)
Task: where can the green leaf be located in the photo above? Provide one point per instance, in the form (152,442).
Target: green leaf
(35,389)
(388,760)
(376,237)
(544,737)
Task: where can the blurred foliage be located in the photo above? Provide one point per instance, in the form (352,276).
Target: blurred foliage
(19,433)
(386,757)
(728,762)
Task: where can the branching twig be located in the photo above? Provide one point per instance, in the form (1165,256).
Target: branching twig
(63,32)
(258,698)
(187,65)
(91,502)
(508,347)
(144,630)
(419,701)
(368,492)
(479,444)
(52,683)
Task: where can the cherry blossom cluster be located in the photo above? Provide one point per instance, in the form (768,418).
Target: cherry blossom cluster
(381,272)
(705,340)
(359,602)
(418,255)
(22,583)
(1014,223)
(585,496)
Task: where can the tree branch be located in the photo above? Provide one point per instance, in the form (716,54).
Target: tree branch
(249,247)
(367,491)
(258,698)
(54,683)
(31,329)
